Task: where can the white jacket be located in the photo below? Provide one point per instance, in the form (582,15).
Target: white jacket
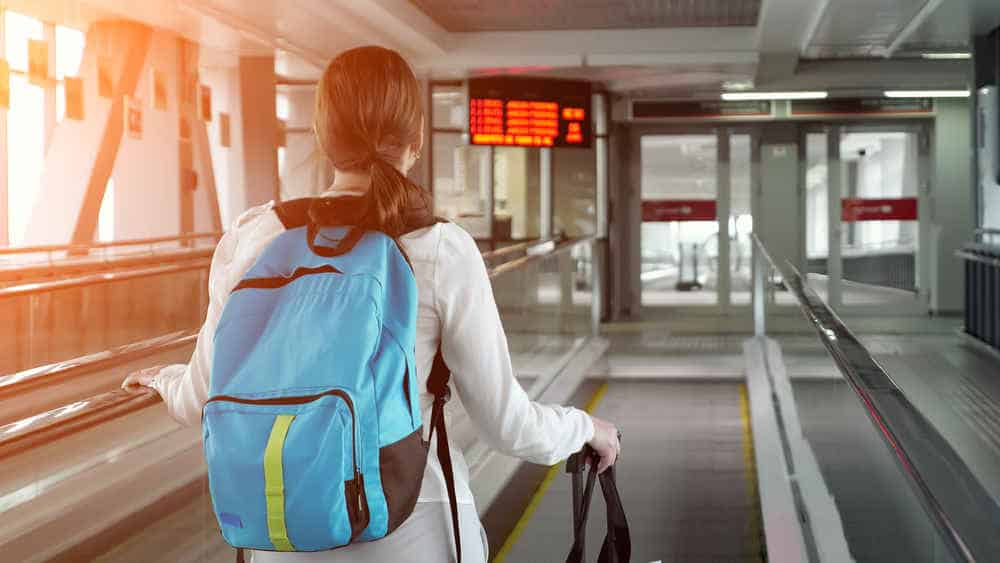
(456,308)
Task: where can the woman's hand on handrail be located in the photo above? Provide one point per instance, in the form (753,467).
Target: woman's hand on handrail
(137,382)
(605,442)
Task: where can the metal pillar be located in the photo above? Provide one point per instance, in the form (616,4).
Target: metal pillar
(724,198)
(834,191)
(545,186)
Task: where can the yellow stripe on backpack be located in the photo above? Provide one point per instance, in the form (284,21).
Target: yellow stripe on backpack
(274,483)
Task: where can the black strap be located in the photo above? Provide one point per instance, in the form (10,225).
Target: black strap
(617,546)
(437,384)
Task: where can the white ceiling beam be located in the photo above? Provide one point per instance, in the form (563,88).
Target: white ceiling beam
(929,7)
(673,58)
(560,49)
(674,40)
(784,29)
(397,22)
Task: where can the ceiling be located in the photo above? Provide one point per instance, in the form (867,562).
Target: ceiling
(673,48)
(524,15)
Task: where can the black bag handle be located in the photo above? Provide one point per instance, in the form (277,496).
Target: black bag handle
(617,546)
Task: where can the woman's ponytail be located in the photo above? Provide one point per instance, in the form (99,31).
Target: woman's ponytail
(368,113)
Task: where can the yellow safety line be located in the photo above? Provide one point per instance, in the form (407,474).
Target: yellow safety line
(543,487)
(750,474)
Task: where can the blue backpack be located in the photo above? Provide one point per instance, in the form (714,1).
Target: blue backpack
(312,430)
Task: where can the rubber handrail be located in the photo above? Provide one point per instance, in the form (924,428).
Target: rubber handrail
(61,371)
(22,290)
(42,428)
(904,429)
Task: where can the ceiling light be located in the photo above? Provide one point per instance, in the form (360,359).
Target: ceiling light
(927,94)
(947,55)
(747,96)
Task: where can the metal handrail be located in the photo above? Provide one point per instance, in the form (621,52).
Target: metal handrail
(105,244)
(973,257)
(521,246)
(960,517)
(18,436)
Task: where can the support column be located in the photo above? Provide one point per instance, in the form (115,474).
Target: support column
(135,40)
(486,185)
(259,127)
(545,186)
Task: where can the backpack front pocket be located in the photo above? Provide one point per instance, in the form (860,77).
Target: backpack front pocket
(283,472)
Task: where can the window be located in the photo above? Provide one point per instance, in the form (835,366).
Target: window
(69,55)
(26,119)
(25,126)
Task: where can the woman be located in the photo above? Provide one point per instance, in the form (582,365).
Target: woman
(369,122)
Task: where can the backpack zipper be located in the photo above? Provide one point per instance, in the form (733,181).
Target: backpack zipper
(308,399)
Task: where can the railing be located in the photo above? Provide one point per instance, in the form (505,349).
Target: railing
(43,427)
(963,513)
(982,289)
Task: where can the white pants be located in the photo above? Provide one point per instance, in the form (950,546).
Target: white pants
(425,537)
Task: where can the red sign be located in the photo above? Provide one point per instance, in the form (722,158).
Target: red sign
(900,209)
(669,210)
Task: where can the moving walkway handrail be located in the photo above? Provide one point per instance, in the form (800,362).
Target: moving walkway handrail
(969,538)
(42,428)
(22,290)
(61,371)
(38,249)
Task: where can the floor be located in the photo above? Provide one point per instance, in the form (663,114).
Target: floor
(683,479)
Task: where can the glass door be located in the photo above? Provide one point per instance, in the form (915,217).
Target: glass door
(862,190)
(680,227)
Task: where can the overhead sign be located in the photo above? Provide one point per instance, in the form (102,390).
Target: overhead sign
(863,106)
(700,109)
(860,209)
(529,112)
(672,210)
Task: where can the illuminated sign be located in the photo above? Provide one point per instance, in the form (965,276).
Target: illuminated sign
(861,209)
(529,112)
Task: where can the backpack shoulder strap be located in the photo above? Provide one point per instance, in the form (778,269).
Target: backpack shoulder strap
(437,384)
(294,213)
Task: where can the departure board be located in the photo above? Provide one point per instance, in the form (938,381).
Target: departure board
(529,112)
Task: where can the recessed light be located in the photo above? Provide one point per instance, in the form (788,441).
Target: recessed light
(961,55)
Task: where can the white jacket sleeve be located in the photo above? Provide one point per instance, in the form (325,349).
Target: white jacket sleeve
(474,346)
(184,388)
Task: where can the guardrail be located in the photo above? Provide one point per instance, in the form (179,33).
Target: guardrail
(41,428)
(961,509)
